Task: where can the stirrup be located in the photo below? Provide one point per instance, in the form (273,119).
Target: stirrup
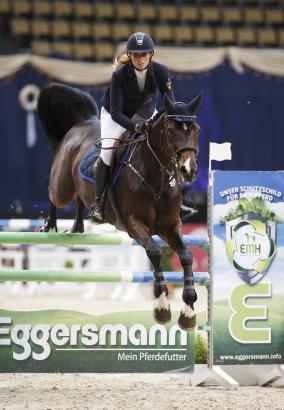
(187,212)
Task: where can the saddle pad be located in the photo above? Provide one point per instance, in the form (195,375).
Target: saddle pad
(85,169)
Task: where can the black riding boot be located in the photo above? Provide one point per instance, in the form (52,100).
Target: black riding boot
(188,208)
(101,171)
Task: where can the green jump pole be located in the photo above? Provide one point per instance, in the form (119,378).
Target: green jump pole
(23,275)
(42,238)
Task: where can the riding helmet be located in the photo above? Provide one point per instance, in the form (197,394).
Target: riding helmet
(140,43)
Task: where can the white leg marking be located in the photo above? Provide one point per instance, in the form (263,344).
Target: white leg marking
(161,303)
(187,311)
(187,165)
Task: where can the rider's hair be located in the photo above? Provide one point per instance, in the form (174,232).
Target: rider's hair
(120,60)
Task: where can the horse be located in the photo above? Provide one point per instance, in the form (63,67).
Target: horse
(147,193)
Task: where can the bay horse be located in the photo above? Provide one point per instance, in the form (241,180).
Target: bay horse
(147,191)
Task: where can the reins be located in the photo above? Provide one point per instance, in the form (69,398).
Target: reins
(121,144)
(173,175)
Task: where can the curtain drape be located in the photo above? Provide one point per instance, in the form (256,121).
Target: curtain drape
(179,60)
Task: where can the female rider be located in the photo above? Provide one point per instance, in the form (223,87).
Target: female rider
(133,88)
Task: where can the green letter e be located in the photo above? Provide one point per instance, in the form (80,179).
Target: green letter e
(242,312)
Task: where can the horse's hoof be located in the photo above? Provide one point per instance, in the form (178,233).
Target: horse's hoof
(40,228)
(77,230)
(162,316)
(186,323)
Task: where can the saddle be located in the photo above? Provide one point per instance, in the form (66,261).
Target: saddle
(85,169)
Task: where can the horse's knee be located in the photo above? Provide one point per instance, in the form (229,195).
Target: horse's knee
(189,295)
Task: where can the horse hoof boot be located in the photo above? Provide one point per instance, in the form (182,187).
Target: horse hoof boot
(162,316)
(185,322)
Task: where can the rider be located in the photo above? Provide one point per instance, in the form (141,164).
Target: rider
(133,88)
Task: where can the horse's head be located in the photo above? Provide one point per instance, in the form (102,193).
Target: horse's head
(182,132)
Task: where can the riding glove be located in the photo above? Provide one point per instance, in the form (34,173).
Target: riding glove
(142,127)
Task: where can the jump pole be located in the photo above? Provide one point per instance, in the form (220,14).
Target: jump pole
(23,275)
(42,238)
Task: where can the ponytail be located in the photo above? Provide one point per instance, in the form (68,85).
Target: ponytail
(120,60)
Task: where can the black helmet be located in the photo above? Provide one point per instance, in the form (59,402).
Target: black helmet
(140,43)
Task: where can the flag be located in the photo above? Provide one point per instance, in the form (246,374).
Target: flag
(220,152)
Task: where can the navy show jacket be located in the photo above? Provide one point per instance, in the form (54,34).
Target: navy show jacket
(123,98)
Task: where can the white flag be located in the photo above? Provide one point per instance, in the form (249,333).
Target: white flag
(220,152)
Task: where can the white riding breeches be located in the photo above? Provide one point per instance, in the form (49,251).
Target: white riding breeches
(110,132)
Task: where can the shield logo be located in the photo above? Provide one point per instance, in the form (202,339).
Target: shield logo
(139,38)
(250,245)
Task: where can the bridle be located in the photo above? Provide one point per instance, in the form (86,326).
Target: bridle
(184,119)
(165,138)
(172,173)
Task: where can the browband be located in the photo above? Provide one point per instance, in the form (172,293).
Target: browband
(181,118)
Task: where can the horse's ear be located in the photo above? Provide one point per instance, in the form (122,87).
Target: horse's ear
(168,104)
(194,104)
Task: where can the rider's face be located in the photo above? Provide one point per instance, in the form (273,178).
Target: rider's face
(140,60)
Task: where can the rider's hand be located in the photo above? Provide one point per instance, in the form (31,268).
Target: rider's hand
(142,127)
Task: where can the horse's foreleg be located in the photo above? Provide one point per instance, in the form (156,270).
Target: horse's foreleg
(140,233)
(187,318)
(78,225)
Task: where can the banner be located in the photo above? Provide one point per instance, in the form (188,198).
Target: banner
(68,341)
(247,267)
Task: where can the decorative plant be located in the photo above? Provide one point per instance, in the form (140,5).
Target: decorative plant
(256,205)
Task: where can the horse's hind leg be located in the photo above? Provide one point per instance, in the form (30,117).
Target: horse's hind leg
(140,232)
(78,225)
(187,318)
(50,221)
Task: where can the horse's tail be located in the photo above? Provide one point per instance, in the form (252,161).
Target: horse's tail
(60,107)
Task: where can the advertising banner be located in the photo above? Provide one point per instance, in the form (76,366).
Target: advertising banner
(69,341)
(247,266)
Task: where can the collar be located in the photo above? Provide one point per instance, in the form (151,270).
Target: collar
(131,68)
(141,73)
